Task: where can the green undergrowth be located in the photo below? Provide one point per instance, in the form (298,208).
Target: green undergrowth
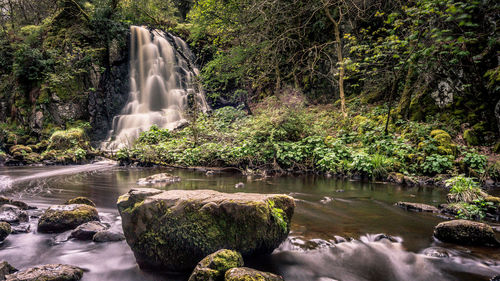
(284,136)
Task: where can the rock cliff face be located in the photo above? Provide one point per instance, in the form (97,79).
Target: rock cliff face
(173,230)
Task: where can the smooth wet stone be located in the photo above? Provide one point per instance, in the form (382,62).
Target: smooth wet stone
(214,266)
(12,214)
(5,230)
(417,207)
(464,232)
(173,230)
(59,218)
(80,200)
(49,272)
(158,178)
(87,230)
(19,204)
(6,269)
(21,228)
(249,274)
(108,236)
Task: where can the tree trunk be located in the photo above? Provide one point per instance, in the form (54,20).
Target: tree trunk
(339,57)
(404,102)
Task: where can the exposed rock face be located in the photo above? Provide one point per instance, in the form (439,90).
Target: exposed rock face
(215,265)
(87,230)
(49,272)
(80,200)
(5,230)
(417,207)
(175,229)
(108,236)
(12,214)
(465,232)
(248,274)
(158,178)
(6,269)
(59,218)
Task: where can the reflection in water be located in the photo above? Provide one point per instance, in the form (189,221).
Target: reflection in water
(328,241)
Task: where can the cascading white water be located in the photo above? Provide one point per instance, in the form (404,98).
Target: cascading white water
(162,76)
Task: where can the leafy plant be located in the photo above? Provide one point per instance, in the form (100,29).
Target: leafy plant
(464,189)
(437,164)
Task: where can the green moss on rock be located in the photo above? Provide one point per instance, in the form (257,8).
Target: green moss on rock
(60,218)
(470,137)
(465,232)
(5,230)
(249,274)
(214,266)
(80,200)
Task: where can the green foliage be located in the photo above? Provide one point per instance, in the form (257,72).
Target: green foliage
(463,189)
(475,162)
(154,135)
(437,164)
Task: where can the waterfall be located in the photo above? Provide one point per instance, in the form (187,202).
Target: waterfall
(162,76)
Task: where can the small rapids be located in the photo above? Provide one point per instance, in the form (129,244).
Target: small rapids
(375,257)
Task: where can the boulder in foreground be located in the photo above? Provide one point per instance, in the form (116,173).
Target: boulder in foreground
(214,266)
(173,230)
(49,272)
(249,274)
(464,232)
(59,218)
(80,200)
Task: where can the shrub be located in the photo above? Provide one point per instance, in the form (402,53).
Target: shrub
(475,161)
(154,135)
(464,189)
(437,164)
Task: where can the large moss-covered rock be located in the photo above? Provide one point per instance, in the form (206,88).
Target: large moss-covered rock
(49,272)
(175,229)
(249,274)
(444,142)
(214,266)
(5,230)
(62,140)
(59,218)
(464,232)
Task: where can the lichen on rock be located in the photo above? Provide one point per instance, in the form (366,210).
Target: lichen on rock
(214,266)
(464,232)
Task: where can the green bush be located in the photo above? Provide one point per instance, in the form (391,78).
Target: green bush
(437,164)
(476,162)
(154,135)
(464,189)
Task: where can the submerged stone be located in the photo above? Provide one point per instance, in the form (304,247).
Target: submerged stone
(464,232)
(108,236)
(249,274)
(87,230)
(49,272)
(5,230)
(59,218)
(214,266)
(159,178)
(175,229)
(417,207)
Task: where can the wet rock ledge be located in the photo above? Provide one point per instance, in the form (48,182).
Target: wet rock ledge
(173,230)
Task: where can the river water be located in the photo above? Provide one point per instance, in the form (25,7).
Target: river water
(341,230)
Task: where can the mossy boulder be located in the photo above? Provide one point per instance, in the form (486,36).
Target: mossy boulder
(19,150)
(80,200)
(464,232)
(49,272)
(445,145)
(249,274)
(214,266)
(59,218)
(20,204)
(67,139)
(12,214)
(471,137)
(173,230)
(5,230)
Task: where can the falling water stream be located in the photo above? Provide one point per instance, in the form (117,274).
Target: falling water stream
(162,76)
(341,230)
